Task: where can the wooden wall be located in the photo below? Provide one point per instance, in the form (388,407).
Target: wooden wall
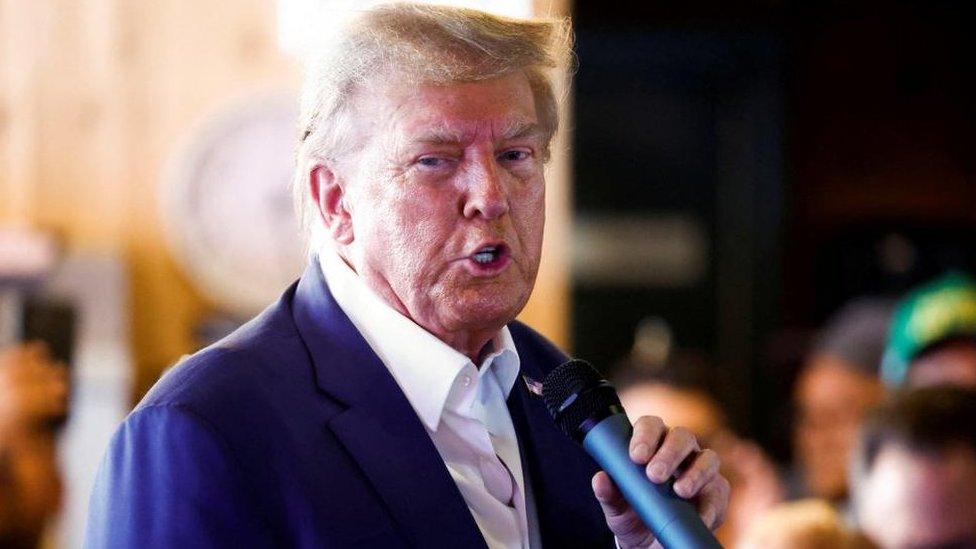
(94,97)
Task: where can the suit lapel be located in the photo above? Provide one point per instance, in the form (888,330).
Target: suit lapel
(379,428)
(560,472)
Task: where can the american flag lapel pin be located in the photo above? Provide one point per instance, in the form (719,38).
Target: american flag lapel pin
(534,387)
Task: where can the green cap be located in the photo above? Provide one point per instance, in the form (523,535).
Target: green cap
(942,309)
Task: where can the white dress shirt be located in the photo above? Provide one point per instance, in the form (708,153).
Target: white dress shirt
(463,407)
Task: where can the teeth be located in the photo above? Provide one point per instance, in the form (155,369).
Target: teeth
(486,255)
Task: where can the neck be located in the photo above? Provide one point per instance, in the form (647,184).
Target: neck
(470,343)
(472,346)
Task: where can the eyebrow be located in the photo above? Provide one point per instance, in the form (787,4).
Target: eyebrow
(519,130)
(443,136)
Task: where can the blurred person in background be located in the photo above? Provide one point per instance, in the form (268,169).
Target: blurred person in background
(677,390)
(933,335)
(803,524)
(914,473)
(836,387)
(33,401)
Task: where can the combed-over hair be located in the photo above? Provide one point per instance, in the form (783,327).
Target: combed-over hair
(419,44)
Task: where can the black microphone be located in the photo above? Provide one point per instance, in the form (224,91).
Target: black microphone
(587,409)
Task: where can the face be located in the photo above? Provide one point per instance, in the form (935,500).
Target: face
(912,500)
(831,400)
(690,409)
(952,364)
(441,206)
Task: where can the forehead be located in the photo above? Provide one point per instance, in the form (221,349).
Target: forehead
(954,363)
(454,111)
(828,379)
(685,407)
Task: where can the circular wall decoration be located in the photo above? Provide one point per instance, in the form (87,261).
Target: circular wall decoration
(227,206)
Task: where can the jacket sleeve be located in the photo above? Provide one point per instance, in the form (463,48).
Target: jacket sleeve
(169,480)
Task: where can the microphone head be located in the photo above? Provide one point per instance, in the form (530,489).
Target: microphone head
(577,397)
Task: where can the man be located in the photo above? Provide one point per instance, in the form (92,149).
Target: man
(837,386)
(933,335)
(915,471)
(380,402)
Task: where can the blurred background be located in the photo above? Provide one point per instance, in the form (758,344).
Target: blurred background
(730,174)
(759,164)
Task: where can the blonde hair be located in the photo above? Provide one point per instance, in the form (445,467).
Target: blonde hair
(418,44)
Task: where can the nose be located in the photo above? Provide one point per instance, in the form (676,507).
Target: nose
(486,195)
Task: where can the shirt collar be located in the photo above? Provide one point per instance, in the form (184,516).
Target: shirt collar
(505,362)
(424,367)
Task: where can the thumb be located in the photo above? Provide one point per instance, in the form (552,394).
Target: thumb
(623,521)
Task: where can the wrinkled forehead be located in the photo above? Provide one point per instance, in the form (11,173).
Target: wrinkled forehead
(456,112)
(444,131)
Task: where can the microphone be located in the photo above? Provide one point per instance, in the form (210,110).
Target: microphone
(587,409)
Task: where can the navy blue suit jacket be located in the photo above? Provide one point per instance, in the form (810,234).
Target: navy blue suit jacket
(292,433)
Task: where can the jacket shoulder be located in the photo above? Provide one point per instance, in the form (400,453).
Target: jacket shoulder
(263,355)
(167,466)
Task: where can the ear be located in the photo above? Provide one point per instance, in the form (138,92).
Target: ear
(329,195)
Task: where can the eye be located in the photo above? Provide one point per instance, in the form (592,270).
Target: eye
(438,163)
(431,162)
(515,155)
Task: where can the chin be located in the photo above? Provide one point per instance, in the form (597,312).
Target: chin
(482,314)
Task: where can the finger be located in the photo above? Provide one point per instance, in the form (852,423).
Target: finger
(621,518)
(678,444)
(701,471)
(648,432)
(608,495)
(714,500)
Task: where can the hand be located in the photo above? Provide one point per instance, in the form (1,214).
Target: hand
(666,453)
(33,389)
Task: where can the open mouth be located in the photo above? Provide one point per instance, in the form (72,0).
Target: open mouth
(490,256)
